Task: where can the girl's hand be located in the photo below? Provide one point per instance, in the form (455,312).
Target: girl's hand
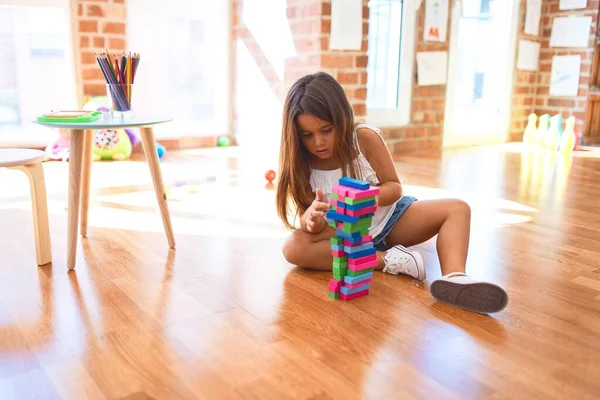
(315,215)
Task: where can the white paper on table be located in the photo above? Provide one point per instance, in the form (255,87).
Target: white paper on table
(529,55)
(532,17)
(346,25)
(564,78)
(572,4)
(432,67)
(436,20)
(570,31)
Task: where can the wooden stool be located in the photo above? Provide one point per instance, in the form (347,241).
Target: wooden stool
(29,161)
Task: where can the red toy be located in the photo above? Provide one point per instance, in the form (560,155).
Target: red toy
(270,176)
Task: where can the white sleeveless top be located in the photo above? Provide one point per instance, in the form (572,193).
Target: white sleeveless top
(326,180)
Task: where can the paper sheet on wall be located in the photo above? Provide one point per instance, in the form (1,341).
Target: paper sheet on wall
(564,78)
(346,25)
(529,55)
(432,67)
(436,20)
(570,31)
(572,4)
(532,17)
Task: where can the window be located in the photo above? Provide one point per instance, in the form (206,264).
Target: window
(184,67)
(36,67)
(391,57)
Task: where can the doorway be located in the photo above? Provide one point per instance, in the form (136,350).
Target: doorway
(480,71)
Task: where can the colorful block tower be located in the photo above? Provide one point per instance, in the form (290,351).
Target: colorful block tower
(354,256)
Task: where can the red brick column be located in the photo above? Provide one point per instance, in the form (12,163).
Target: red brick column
(100,25)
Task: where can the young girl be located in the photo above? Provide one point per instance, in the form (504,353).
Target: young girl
(320,143)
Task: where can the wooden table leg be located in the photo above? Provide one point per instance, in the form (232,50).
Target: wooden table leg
(149,146)
(41,229)
(75,166)
(88,143)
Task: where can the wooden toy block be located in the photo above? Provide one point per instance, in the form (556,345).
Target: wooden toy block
(354,296)
(343,217)
(340,259)
(361,254)
(340,190)
(331,224)
(333,295)
(364,239)
(354,249)
(335,283)
(357,207)
(354,202)
(338,276)
(364,223)
(340,206)
(336,240)
(352,280)
(362,260)
(337,247)
(356,285)
(358,273)
(345,290)
(367,265)
(334,196)
(341,269)
(338,253)
(354,183)
(355,214)
(340,264)
(355,237)
(361,194)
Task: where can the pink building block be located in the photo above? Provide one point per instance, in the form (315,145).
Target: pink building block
(369,264)
(340,225)
(335,285)
(354,295)
(361,194)
(362,260)
(340,190)
(357,284)
(338,253)
(360,212)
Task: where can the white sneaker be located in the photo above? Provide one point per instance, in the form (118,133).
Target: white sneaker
(398,260)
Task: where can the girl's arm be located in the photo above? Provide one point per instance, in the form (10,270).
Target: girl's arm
(380,158)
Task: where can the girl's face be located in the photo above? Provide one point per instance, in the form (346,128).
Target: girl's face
(317,135)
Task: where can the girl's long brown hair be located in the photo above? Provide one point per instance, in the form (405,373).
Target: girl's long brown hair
(320,95)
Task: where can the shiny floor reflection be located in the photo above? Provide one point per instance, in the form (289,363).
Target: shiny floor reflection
(224,316)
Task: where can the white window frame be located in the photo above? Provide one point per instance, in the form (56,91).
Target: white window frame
(35,137)
(400,116)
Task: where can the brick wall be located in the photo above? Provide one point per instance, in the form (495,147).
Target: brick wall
(567,106)
(427,109)
(309,22)
(100,25)
(532,89)
(524,85)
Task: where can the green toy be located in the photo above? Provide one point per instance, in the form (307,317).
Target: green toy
(111,145)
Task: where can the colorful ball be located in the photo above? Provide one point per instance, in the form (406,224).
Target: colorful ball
(224,141)
(270,176)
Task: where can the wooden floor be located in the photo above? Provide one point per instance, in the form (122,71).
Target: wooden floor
(224,316)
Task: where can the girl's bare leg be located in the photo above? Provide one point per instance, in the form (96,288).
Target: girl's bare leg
(448,218)
(313,251)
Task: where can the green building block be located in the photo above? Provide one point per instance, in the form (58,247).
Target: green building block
(357,227)
(337,240)
(333,295)
(358,273)
(353,202)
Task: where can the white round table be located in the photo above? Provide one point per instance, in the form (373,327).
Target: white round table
(80,160)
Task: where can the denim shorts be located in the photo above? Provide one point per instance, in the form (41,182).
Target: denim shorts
(401,206)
